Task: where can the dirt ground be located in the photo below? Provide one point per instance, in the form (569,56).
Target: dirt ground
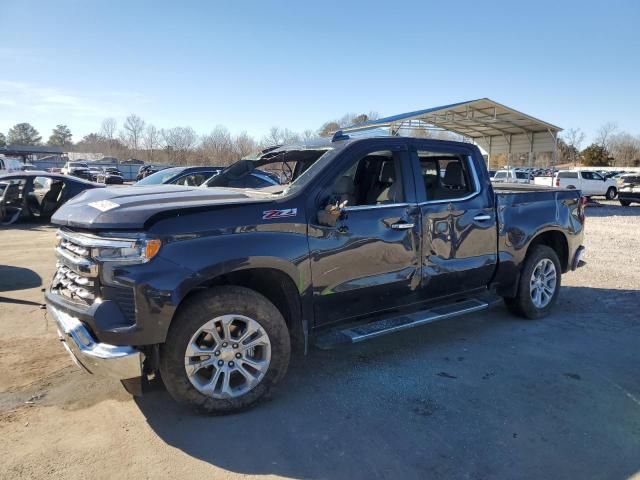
(482,396)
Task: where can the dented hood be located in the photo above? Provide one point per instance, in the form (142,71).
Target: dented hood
(132,207)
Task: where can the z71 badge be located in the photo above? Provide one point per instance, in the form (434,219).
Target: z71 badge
(274,214)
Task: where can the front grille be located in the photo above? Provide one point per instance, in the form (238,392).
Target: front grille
(77,276)
(74,286)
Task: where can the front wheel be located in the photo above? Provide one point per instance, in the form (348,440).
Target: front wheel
(611,193)
(539,284)
(225,351)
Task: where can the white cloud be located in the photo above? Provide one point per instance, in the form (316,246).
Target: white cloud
(26,97)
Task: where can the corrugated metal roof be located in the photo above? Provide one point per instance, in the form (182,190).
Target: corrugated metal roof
(481,118)
(30,149)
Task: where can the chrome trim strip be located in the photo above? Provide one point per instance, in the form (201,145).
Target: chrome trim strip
(85,240)
(402,226)
(80,265)
(429,317)
(355,208)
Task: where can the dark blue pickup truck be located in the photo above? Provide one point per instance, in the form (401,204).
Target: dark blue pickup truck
(213,287)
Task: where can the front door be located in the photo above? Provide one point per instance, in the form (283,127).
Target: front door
(368,261)
(458,221)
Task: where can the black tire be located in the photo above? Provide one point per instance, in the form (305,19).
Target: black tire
(611,193)
(625,203)
(522,305)
(203,307)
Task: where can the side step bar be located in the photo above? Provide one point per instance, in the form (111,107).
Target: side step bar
(366,331)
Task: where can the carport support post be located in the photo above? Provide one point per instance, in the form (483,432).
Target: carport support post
(489,159)
(531,150)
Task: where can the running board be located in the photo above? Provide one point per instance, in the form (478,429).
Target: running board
(366,331)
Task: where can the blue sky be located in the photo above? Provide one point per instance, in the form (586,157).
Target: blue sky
(251,65)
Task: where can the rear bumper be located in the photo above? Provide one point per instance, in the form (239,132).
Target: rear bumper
(120,362)
(577,258)
(629,196)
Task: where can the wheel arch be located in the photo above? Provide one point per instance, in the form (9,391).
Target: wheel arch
(273,282)
(557,241)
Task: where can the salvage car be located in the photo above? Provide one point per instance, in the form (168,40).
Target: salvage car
(190,176)
(110,176)
(629,189)
(213,287)
(37,195)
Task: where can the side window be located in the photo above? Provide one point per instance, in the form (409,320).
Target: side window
(374,179)
(41,183)
(447,175)
(587,175)
(193,179)
(500,175)
(249,181)
(13,194)
(568,175)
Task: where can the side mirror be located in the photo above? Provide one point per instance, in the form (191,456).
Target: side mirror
(330,214)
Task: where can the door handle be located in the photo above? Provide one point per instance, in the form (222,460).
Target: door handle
(482,217)
(402,226)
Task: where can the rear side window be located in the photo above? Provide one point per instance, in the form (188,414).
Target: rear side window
(446,176)
(522,175)
(501,175)
(568,175)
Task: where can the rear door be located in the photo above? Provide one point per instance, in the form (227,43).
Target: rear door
(459,236)
(591,185)
(369,259)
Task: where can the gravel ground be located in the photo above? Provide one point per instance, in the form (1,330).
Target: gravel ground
(482,396)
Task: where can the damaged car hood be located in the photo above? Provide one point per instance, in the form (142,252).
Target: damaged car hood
(132,207)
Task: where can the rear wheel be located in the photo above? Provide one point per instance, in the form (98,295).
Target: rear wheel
(611,193)
(539,284)
(226,349)
(625,203)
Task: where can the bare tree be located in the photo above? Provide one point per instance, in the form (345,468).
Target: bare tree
(574,138)
(179,143)
(604,134)
(151,141)
(217,147)
(309,135)
(245,145)
(108,128)
(133,129)
(625,149)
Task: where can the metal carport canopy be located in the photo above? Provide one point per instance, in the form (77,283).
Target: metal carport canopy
(496,128)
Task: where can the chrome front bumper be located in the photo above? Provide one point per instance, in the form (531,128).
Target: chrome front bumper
(121,362)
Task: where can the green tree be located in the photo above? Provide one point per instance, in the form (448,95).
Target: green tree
(23,134)
(595,156)
(61,135)
(3,140)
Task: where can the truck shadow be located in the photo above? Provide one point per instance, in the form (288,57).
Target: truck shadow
(402,405)
(18,278)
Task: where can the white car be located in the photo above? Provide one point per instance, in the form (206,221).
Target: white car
(511,176)
(69,165)
(591,183)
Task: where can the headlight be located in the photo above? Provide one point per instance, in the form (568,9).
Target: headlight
(137,250)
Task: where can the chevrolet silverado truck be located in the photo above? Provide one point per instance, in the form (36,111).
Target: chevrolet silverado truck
(211,288)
